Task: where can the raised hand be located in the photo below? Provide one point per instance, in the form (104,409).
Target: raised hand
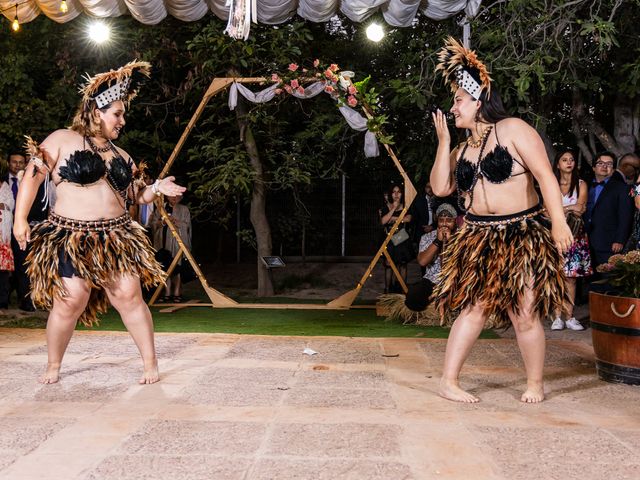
(442,130)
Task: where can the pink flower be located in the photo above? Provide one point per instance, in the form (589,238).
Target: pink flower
(329,89)
(333,67)
(278,91)
(352,90)
(293,67)
(294,83)
(316,62)
(304,70)
(328,73)
(351,100)
(288,89)
(275,77)
(301,90)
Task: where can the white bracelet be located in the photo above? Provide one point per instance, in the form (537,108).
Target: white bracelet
(155,188)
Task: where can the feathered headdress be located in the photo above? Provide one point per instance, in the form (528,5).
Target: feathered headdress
(461,68)
(121,84)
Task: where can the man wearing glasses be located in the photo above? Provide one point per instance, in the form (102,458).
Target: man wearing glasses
(609,210)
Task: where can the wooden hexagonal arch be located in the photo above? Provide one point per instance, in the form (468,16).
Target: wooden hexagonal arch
(219,299)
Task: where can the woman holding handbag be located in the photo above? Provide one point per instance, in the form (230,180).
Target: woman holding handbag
(577,260)
(399,247)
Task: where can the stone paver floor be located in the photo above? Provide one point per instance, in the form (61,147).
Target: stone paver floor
(253,407)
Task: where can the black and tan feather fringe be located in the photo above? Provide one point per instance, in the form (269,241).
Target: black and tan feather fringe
(98,256)
(493,266)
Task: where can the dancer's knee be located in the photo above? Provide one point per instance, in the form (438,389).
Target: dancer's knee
(525,323)
(473,315)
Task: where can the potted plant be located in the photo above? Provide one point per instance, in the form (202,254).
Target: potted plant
(615,320)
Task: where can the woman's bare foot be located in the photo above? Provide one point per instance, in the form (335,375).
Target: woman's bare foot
(534,393)
(51,375)
(452,391)
(150,373)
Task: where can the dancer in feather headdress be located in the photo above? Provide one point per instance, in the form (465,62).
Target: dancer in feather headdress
(505,262)
(89,252)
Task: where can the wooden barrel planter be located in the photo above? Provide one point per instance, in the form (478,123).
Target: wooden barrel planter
(615,324)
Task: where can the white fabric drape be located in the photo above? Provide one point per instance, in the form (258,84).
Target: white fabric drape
(150,12)
(359,123)
(353,118)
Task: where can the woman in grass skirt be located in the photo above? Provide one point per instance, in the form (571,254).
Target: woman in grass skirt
(505,262)
(89,252)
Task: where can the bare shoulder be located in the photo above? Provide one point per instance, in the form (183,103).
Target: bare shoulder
(60,143)
(513,124)
(62,135)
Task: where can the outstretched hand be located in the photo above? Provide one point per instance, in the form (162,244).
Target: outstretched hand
(442,130)
(168,187)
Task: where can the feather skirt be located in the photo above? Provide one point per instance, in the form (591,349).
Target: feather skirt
(494,263)
(98,255)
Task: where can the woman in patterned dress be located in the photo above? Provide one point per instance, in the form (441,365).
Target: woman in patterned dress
(577,260)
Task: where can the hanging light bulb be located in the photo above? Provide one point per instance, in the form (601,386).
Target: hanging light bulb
(15,25)
(63,6)
(375,33)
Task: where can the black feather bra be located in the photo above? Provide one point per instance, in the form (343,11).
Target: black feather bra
(85,167)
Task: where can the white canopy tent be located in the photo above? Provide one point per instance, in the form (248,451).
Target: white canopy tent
(398,13)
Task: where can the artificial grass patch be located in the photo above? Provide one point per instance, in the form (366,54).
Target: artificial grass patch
(347,323)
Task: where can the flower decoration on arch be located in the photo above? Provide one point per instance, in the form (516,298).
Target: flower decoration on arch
(340,86)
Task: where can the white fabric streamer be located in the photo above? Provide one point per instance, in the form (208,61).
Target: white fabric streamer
(359,123)
(353,118)
(261,97)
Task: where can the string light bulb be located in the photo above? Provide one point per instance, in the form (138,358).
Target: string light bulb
(15,25)
(63,6)
(374,32)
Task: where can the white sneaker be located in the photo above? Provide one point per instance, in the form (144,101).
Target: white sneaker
(558,324)
(573,324)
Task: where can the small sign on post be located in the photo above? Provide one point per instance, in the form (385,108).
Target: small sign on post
(273,262)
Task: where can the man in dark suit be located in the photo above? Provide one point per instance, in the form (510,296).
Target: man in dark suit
(628,168)
(609,211)
(38,212)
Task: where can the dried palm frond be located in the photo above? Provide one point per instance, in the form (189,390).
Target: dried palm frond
(453,56)
(135,71)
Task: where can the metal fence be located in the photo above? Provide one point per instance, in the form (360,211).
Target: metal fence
(333,218)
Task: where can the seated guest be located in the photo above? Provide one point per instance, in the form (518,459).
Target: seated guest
(432,243)
(414,307)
